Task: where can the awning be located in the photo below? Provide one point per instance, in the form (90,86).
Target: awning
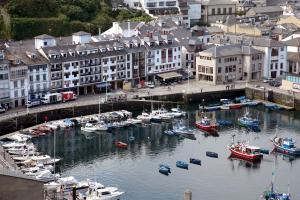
(103,85)
(169,75)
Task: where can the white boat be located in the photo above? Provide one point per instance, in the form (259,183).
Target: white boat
(14,145)
(44,159)
(134,121)
(97,191)
(177,112)
(145,117)
(46,175)
(18,137)
(88,127)
(21,152)
(225,107)
(53,125)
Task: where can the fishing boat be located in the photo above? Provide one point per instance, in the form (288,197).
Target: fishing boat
(121,145)
(286,146)
(212,154)
(245,151)
(195,161)
(182,164)
(248,121)
(206,125)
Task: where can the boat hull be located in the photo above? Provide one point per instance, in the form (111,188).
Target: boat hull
(280,149)
(235,106)
(245,156)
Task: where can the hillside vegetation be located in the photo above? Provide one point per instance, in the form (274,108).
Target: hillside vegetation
(21,19)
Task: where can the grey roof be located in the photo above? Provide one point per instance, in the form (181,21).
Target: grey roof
(81,33)
(230,50)
(294,56)
(293,42)
(217,2)
(215,29)
(132,25)
(44,36)
(266,9)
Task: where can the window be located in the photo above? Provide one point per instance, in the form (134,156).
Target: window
(31,78)
(22,83)
(230,11)
(161,3)
(281,65)
(271,66)
(220,60)
(276,65)
(213,11)
(22,92)
(16,93)
(282,49)
(224,11)
(219,70)
(44,77)
(15,84)
(37,77)
(219,11)
(274,52)
(45,43)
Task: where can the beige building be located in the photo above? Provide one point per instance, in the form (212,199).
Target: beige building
(214,10)
(272,11)
(229,63)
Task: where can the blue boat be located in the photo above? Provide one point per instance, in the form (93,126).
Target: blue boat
(163,170)
(212,108)
(249,122)
(212,154)
(214,104)
(286,146)
(131,138)
(169,132)
(223,122)
(272,106)
(155,119)
(165,166)
(195,161)
(264,151)
(239,99)
(181,164)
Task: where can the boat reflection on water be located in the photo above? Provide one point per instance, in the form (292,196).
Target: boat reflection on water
(253,164)
(215,134)
(88,135)
(285,157)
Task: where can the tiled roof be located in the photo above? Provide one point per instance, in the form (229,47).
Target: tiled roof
(230,50)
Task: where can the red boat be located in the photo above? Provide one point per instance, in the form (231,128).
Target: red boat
(206,125)
(245,151)
(121,144)
(235,106)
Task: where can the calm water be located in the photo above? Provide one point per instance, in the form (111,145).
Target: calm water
(135,170)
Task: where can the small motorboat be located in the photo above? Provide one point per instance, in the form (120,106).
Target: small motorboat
(286,146)
(169,132)
(239,99)
(177,112)
(182,164)
(121,145)
(272,106)
(145,117)
(195,161)
(206,125)
(212,154)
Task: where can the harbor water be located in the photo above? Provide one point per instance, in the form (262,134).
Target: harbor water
(135,170)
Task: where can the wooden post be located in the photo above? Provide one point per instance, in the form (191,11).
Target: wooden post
(187,195)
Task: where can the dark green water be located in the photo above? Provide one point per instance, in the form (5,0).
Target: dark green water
(135,170)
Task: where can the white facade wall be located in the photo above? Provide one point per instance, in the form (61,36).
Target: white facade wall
(70,74)
(194,11)
(44,43)
(81,39)
(4,81)
(38,78)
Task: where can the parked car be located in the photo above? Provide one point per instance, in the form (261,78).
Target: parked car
(33,103)
(2,110)
(275,83)
(267,80)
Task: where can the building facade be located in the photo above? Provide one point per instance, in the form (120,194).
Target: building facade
(230,63)
(214,10)
(4,80)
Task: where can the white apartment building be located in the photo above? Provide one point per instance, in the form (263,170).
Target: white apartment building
(229,63)
(18,74)
(293,58)
(4,80)
(163,54)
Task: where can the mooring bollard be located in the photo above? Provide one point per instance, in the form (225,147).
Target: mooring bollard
(187,195)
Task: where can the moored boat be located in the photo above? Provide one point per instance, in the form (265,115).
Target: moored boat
(235,106)
(195,161)
(249,122)
(206,125)
(286,146)
(212,154)
(120,144)
(245,151)
(182,164)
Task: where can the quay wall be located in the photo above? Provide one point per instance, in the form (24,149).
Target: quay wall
(25,121)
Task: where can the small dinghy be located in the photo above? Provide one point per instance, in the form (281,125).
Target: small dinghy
(195,161)
(163,170)
(165,166)
(182,164)
(211,154)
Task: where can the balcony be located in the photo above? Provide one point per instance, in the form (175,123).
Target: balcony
(151,55)
(121,60)
(56,78)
